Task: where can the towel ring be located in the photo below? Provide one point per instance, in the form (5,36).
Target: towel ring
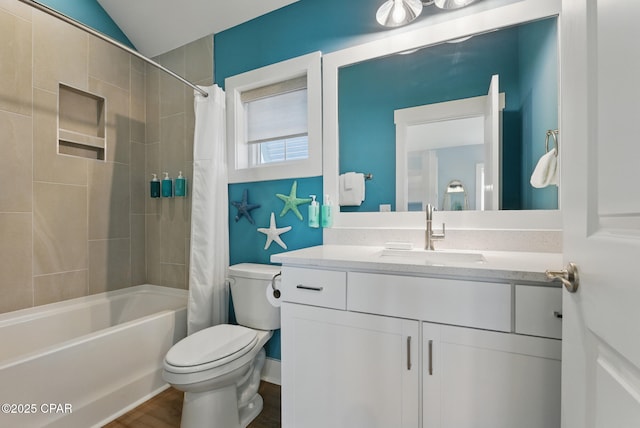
(551,133)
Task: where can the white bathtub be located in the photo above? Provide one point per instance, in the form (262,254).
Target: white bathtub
(83,362)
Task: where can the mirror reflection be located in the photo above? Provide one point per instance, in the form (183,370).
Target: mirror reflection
(453,147)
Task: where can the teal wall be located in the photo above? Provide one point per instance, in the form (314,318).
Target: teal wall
(90,13)
(539,103)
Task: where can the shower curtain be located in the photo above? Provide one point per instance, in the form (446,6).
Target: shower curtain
(208,294)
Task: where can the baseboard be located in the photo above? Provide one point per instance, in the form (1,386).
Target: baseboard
(271,371)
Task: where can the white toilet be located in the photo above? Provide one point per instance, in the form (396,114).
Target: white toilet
(219,367)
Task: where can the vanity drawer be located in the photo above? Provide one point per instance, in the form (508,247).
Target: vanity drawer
(474,304)
(538,311)
(314,287)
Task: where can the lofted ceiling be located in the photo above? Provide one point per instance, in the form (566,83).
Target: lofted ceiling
(158,26)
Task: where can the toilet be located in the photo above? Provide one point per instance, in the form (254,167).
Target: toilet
(219,367)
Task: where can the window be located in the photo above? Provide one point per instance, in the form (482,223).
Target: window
(274,121)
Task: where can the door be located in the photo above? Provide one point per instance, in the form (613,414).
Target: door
(600,196)
(492,146)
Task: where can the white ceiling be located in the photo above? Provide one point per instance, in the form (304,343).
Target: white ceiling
(446,133)
(158,26)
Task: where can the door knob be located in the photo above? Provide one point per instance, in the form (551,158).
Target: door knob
(569,277)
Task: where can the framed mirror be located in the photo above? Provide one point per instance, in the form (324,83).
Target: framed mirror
(360,134)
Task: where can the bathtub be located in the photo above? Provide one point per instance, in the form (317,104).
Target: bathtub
(83,362)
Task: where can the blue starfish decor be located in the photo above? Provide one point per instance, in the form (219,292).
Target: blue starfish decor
(291,201)
(244,207)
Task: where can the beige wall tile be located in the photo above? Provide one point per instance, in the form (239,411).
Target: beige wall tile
(109,200)
(139,182)
(172,144)
(16,162)
(137,107)
(109,265)
(60,286)
(199,60)
(118,122)
(172,231)
(152,97)
(109,63)
(48,165)
(60,228)
(154,274)
(173,275)
(15,261)
(171,90)
(15,67)
(60,54)
(138,250)
(16,8)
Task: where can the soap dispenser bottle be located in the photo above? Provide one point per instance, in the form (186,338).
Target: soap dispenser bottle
(167,186)
(181,185)
(154,186)
(326,213)
(314,213)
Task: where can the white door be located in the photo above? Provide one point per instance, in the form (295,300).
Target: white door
(492,146)
(600,171)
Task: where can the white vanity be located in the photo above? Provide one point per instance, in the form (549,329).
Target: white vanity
(373,338)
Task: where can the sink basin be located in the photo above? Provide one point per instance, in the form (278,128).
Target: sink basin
(435,258)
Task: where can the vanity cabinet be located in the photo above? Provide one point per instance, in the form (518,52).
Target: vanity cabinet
(368,349)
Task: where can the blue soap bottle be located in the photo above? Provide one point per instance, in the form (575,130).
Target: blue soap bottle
(167,186)
(326,214)
(181,185)
(154,186)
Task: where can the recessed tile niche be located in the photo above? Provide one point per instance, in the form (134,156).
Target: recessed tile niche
(81,123)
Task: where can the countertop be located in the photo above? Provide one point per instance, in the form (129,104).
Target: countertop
(512,266)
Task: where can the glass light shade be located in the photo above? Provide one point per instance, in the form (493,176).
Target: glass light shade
(395,13)
(452,4)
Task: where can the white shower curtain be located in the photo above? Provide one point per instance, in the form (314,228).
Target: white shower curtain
(208,295)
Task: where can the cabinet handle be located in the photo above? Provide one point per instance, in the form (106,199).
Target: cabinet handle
(306,287)
(431,358)
(408,352)
(557,314)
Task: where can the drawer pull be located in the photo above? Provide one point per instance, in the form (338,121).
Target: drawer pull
(306,287)
(557,314)
(431,358)
(408,352)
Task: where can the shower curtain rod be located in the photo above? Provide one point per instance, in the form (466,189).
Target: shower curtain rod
(108,39)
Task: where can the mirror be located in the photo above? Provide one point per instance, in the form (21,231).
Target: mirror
(372,94)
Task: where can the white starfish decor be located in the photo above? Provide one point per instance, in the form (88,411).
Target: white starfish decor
(273,233)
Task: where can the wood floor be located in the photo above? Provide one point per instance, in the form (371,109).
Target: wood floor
(164,411)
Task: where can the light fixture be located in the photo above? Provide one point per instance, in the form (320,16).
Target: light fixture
(394,13)
(452,4)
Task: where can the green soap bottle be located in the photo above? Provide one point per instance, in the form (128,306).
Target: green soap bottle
(314,213)
(181,185)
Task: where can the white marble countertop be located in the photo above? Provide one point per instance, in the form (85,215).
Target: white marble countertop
(512,266)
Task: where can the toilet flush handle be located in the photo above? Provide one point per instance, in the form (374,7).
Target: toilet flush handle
(276,292)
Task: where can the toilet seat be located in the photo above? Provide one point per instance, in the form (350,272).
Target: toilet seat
(210,348)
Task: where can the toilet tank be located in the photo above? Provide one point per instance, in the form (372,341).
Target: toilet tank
(250,283)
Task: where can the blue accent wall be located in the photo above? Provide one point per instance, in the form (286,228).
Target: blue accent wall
(90,13)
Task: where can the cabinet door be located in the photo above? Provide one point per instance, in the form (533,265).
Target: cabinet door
(485,379)
(345,369)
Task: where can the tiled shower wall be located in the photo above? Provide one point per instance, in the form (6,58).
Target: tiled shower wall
(72,226)
(169,148)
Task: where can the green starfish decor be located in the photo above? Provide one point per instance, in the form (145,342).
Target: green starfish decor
(291,201)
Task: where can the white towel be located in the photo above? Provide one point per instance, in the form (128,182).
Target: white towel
(351,189)
(546,171)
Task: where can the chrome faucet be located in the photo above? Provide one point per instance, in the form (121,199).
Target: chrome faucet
(429,235)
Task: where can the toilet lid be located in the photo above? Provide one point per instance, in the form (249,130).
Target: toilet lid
(211,344)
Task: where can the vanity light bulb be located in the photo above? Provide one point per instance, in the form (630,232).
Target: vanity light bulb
(398,14)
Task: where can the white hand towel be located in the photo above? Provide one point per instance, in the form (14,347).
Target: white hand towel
(546,171)
(351,189)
